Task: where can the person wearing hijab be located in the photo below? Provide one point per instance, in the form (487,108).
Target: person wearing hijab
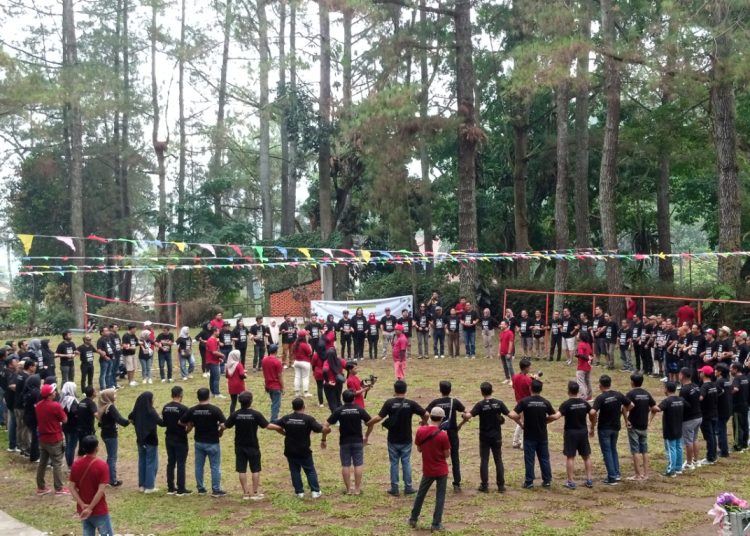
(31,395)
(185,353)
(35,352)
(333,378)
(109,419)
(145,419)
(302,355)
(69,401)
(235,373)
(146,355)
(48,359)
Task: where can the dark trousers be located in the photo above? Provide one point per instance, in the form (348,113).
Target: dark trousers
(455,458)
(359,346)
(346,346)
(540,450)
(319,383)
(708,429)
(648,360)
(296,466)
(555,342)
(485,448)
(68,371)
(176,458)
(372,346)
(202,352)
(258,352)
(333,395)
(438,342)
(424,486)
(243,353)
(739,424)
(87,375)
(721,436)
(34,448)
(637,356)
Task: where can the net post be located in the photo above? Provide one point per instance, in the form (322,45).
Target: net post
(699,312)
(505,302)
(593,307)
(546,321)
(85,312)
(177,316)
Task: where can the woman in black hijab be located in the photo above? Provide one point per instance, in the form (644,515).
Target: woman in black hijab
(333,378)
(145,419)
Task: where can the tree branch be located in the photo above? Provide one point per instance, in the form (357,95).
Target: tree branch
(427,9)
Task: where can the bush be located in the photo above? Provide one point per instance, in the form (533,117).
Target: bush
(55,319)
(195,312)
(19,315)
(127,311)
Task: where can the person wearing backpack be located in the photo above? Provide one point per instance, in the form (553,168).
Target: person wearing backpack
(452,407)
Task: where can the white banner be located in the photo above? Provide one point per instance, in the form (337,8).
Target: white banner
(324,308)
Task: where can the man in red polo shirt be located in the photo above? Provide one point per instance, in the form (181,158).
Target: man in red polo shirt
(506,350)
(273,370)
(49,417)
(214,359)
(435,447)
(521,389)
(90,476)
(685,315)
(217,321)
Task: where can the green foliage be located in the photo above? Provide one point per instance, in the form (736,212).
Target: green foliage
(19,315)
(56,318)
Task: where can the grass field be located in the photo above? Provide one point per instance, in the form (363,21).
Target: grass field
(659,506)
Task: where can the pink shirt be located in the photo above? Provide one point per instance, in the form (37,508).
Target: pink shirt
(400,345)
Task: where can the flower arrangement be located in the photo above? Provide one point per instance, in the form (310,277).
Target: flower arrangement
(725,504)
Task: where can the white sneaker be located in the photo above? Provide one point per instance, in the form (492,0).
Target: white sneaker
(442,357)
(150,381)
(437,356)
(170,380)
(152,490)
(144,381)
(219,396)
(300,495)
(133,383)
(184,378)
(568,362)
(663,380)
(163,381)
(190,376)
(316,494)
(260,496)
(307,395)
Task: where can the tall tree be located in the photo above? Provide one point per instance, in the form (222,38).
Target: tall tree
(126,284)
(75,128)
(610,146)
(160,146)
(562,99)
(723,115)
(424,157)
(581,176)
(183,135)
(264,160)
(292,109)
(324,111)
(287,211)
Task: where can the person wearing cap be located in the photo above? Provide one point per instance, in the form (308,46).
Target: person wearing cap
(373,331)
(432,442)
(400,350)
(273,379)
(691,418)
(345,328)
(302,353)
(709,397)
(422,322)
(50,417)
(388,328)
(87,353)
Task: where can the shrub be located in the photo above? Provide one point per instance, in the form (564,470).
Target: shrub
(127,311)
(57,318)
(195,312)
(19,315)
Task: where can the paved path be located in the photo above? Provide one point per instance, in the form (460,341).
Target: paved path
(11,526)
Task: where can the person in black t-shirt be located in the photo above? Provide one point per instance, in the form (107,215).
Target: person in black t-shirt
(176,442)
(398,411)
(491,413)
(66,352)
(86,416)
(106,351)
(533,413)
(469,320)
(608,407)
(422,323)
(208,422)
(438,333)
(740,395)
(164,342)
(359,324)
(351,444)
(246,447)
(672,409)
(569,331)
(453,327)
(239,337)
(288,334)
(709,397)
(109,419)
(388,328)
(346,329)
(555,338)
(87,353)
(642,402)
(296,428)
(261,336)
(609,329)
(525,331)
(724,408)
(538,328)
(692,417)
(452,407)
(129,346)
(575,410)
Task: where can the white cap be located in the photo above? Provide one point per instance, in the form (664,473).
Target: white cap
(147,323)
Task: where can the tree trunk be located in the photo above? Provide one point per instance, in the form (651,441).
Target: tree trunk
(287,222)
(75,127)
(469,135)
(265,124)
(582,218)
(126,285)
(608,170)
(113,278)
(219,141)
(183,135)
(520,123)
(424,158)
(324,109)
(725,140)
(562,99)
(293,134)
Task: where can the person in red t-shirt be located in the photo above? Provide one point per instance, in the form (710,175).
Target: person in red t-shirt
(89,477)
(400,347)
(49,417)
(506,350)
(273,377)
(521,389)
(584,353)
(302,354)
(685,315)
(355,384)
(435,447)
(630,306)
(235,377)
(214,360)
(217,321)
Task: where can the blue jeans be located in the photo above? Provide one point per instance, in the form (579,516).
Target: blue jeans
(275,404)
(214,375)
(470,337)
(708,429)
(608,444)
(213,451)
(105,368)
(101,523)
(146,367)
(296,466)
(165,359)
(12,430)
(71,442)
(721,436)
(111,443)
(187,365)
(540,449)
(148,465)
(673,450)
(114,370)
(398,452)
(424,486)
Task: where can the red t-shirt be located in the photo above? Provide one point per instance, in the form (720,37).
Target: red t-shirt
(235,383)
(330,338)
(87,473)
(216,323)
(522,386)
(303,352)
(272,369)
(49,416)
(630,304)
(459,308)
(584,352)
(434,463)
(400,345)
(685,314)
(355,384)
(212,345)
(317,367)
(506,337)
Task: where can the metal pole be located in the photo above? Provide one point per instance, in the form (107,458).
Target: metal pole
(505,303)
(546,322)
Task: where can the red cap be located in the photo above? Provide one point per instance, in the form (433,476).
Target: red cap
(706,370)
(47,390)
(302,333)
(712,332)
(399,327)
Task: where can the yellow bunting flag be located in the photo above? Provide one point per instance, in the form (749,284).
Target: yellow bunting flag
(26,240)
(366,255)
(181,246)
(305,252)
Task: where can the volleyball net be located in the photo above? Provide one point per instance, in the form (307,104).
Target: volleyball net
(99,311)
